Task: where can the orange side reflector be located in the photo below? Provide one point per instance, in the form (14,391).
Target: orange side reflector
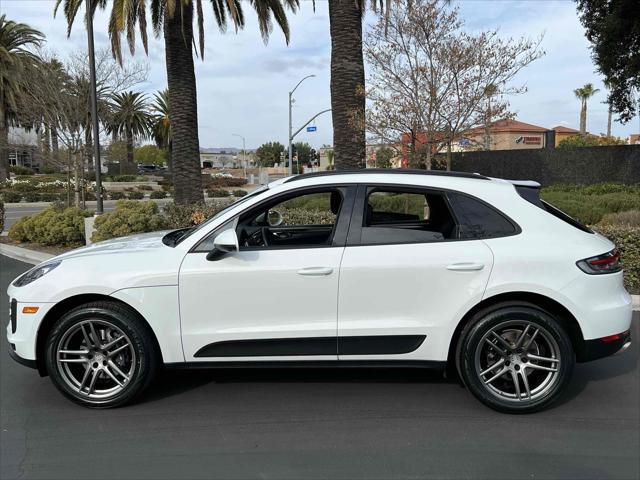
(30,309)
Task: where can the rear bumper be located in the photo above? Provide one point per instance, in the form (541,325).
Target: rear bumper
(604,347)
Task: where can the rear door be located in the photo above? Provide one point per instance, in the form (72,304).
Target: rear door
(408,274)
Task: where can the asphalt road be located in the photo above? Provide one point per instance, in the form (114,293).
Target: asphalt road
(318,424)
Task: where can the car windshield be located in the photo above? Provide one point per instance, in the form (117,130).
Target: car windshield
(173,239)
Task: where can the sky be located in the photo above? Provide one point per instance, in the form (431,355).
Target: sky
(243,84)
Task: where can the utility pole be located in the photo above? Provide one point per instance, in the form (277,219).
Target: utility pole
(244,153)
(291,123)
(94,111)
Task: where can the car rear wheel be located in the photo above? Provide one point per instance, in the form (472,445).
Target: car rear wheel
(516,359)
(100,355)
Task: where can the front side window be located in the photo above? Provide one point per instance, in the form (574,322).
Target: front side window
(405,216)
(302,220)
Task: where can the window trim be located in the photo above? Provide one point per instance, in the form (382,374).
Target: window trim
(354,236)
(341,227)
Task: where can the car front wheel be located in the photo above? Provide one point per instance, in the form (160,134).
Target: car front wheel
(100,355)
(516,359)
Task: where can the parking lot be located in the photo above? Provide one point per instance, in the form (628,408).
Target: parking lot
(372,424)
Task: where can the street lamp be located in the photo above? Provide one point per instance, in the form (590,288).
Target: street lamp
(94,110)
(244,153)
(290,121)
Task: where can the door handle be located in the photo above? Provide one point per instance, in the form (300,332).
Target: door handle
(315,271)
(465,267)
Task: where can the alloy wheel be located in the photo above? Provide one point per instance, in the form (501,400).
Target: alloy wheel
(518,361)
(96,359)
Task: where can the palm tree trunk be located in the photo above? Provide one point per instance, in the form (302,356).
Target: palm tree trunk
(88,146)
(185,151)
(583,118)
(347,84)
(4,147)
(129,137)
(54,145)
(46,146)
(609,121)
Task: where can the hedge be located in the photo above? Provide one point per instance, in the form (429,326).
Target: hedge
(1,215)
(52,226)
(128,218)
(627,240)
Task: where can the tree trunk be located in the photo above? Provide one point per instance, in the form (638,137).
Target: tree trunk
(88,147)
(583,118)
(185,148)
(609,120)
(4,147)
(54,145)
(46,144)
(76,185)
(347,84)
(449,158)
(129,138)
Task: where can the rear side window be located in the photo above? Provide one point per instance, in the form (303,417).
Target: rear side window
(477,219)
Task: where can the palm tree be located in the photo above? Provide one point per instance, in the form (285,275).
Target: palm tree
(175,20)
(15,59)
(131,120)
(584,93)
(161,123)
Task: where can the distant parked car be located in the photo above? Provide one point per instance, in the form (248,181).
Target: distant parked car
(381,268)
(149,169)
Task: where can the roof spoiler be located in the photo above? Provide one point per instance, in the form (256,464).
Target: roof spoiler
(529,190)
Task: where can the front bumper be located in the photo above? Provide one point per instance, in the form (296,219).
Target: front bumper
(19,359)
(604,347)
(22,330)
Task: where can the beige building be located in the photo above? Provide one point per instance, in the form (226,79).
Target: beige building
(506,135)
(564,132)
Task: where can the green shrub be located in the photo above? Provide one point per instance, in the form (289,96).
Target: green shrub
(1,215)
(627,239)
(145,187)
(210,182)
(18,170)
(239,193)
(217,192)
(158,194)
(630,218)
(48,170)
(116,195)
(32,197)
(123,178)
(135,195)
(182,216)
(590,209)
(128,218)
(302,216)
(10,196)
(89,196)
(52,226)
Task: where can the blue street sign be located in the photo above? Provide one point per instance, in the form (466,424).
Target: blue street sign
(312,129)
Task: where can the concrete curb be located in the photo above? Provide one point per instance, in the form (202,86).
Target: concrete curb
(34,257)
(24,254)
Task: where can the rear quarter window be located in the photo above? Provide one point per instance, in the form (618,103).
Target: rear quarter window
(478,220)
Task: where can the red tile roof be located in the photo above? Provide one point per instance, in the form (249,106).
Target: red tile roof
(561,129)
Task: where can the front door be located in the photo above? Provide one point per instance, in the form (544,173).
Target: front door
(276,298)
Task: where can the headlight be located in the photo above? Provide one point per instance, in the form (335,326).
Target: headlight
(35,273)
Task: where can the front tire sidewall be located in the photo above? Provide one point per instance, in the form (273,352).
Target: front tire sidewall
(475,332)
(128,324)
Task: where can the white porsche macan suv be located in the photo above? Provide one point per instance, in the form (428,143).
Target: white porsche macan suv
(368,268)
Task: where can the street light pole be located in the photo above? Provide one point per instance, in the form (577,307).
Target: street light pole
(244,153)
(290,123)
(94,111)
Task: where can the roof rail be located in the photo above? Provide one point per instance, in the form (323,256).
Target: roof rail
(405,171)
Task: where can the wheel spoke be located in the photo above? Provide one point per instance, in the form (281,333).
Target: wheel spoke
(543,359)
(525,381)
(119,349)
(502,340)
(495,347)
(516,383)
(96,337)
(522,336)
(84,378)
(107,346)
(85,335)
(93,381)
(497,375)
(531,338)
(113,377)
(73,360)
(492,367)
(73,352)
(118,371)
(540,367)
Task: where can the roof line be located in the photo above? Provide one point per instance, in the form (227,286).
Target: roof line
(438,173)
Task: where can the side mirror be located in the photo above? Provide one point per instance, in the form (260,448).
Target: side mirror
(226,242)
(274,218)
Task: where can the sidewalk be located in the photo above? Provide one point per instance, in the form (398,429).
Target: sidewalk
(34,257)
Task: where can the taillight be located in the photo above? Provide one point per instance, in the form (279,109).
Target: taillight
(605,263)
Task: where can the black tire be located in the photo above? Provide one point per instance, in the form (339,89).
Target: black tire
(475,355)
(139,354)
